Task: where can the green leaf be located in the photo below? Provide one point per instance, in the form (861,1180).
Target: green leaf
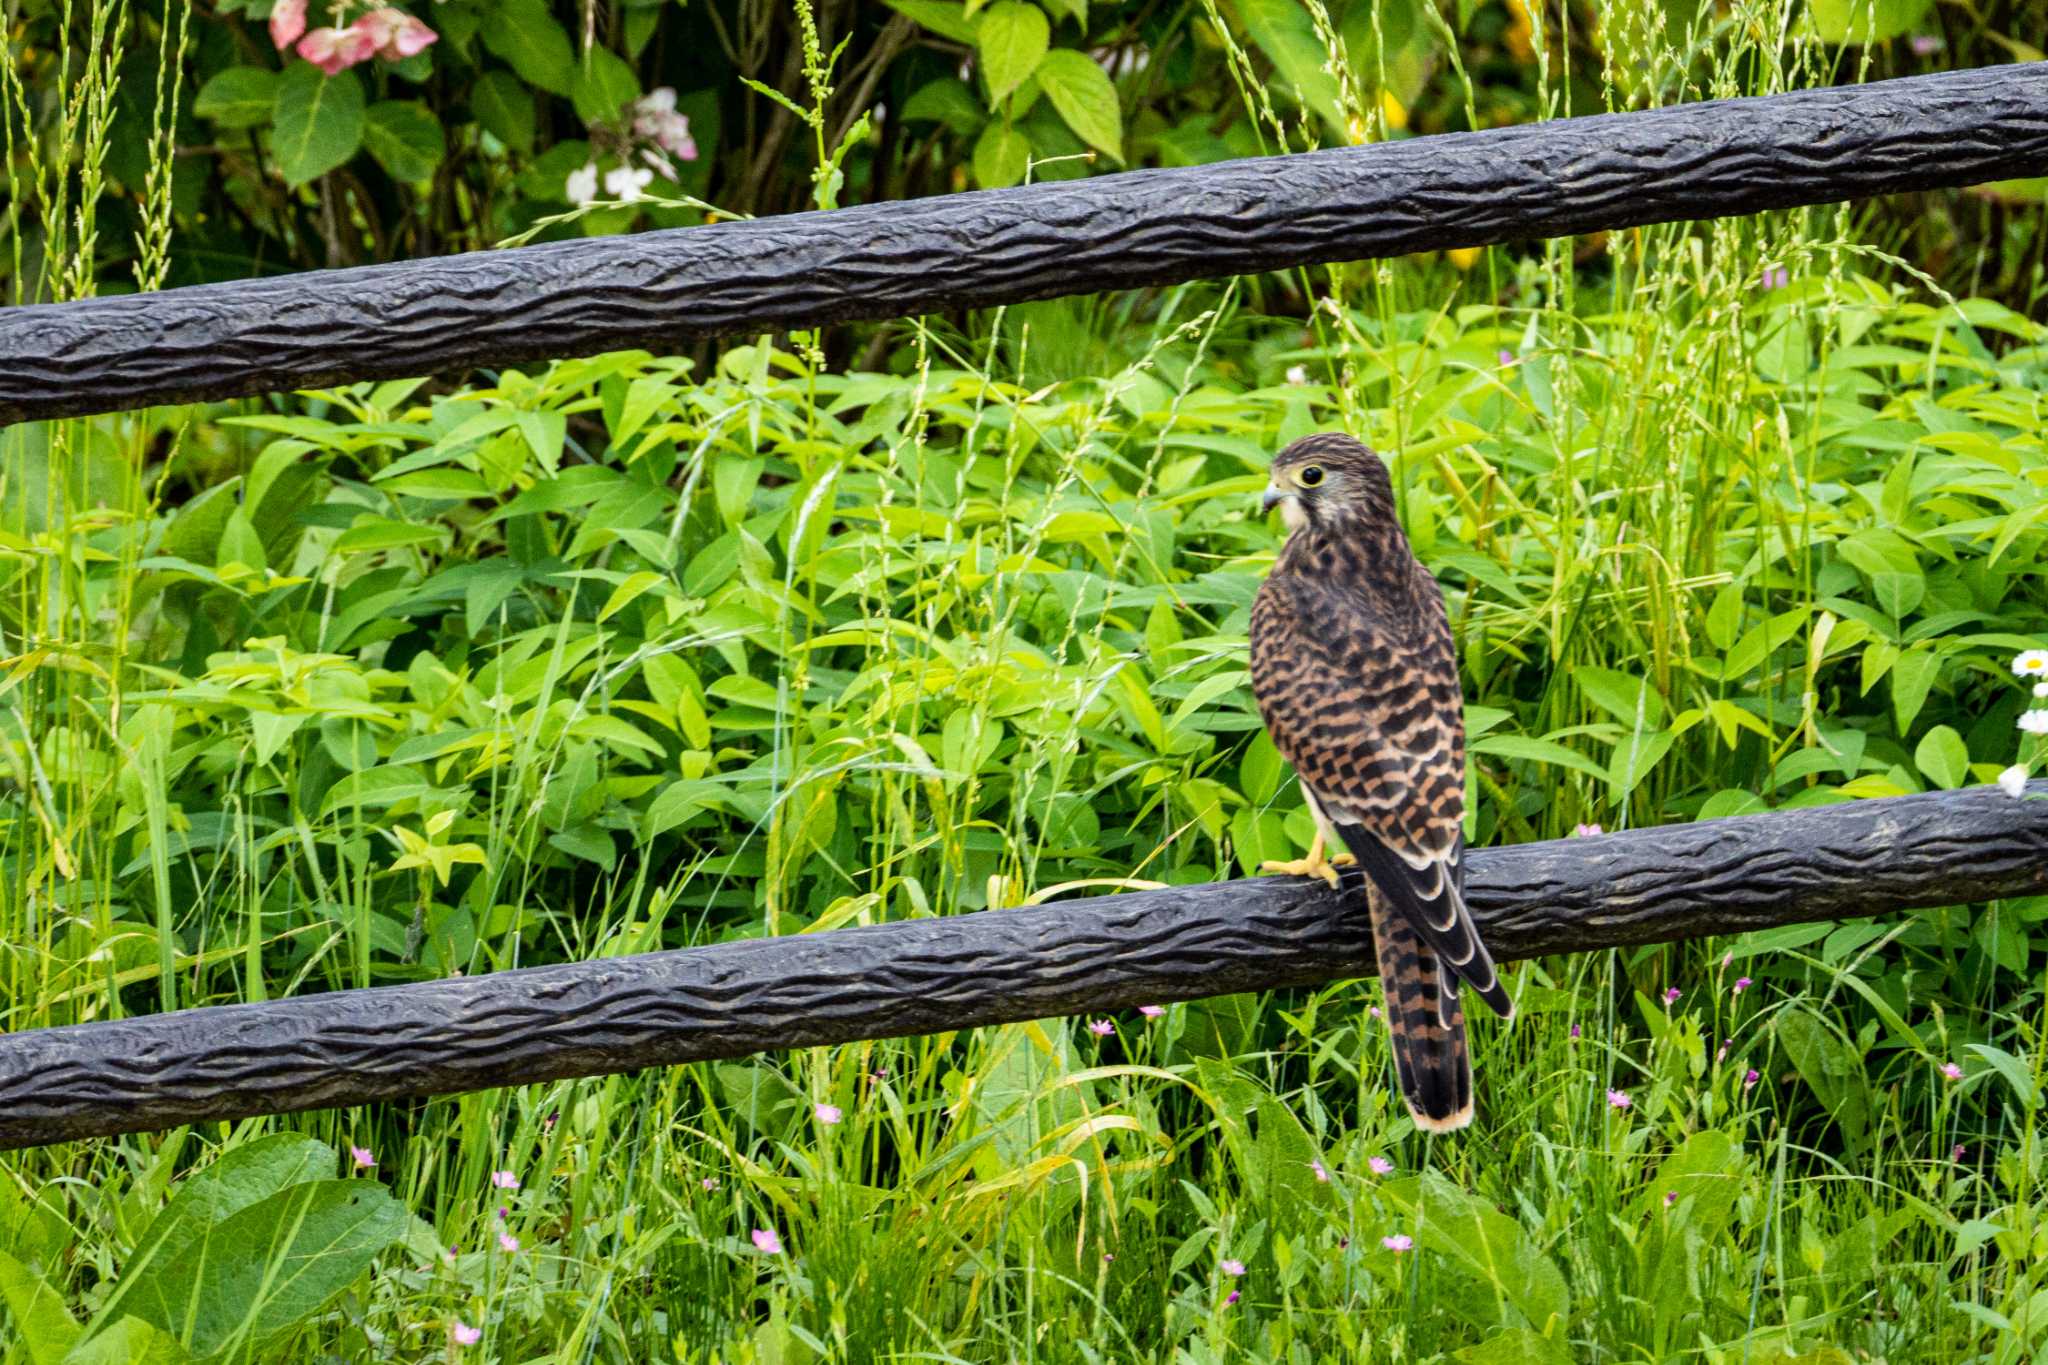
(947,100)
(1283,30)
(1912,678)
(239,97)
(525,34)
(1630,700)
(41,1322)
(1867,21)
(1944,757)
(603,86)
(1538,751)
(1080,90)
(2017,1073)
(1001,157)
(319,122)
(505,108)
(947,19)
(406,139)
(1013,40)
(269,1266)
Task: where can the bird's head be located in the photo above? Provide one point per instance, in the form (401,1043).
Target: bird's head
(1330,482)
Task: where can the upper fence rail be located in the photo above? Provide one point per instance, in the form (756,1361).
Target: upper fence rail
(658,289)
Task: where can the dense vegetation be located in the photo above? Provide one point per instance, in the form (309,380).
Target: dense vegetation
(390,682)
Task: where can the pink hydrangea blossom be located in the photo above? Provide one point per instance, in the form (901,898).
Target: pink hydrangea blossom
(287,22)
(334,50)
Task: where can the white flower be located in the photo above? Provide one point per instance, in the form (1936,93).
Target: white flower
(660,100)
(582,185)
(625,185)
(1297,374)
(2032,663)
(2013,781)
(2041,689)
(2035,722)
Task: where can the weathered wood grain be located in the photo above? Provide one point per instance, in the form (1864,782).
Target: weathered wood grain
(1147,227)
(935,975)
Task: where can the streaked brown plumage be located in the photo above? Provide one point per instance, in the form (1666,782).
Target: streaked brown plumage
(1357,678)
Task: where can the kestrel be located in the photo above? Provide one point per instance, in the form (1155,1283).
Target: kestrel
(1357,678)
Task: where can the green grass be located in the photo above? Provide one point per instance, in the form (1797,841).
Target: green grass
(393,682)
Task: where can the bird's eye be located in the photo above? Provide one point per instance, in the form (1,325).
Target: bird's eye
(1310,476)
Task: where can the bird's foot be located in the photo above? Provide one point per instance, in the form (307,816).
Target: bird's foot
(1314,865)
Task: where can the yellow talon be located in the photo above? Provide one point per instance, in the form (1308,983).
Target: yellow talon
(1314,865)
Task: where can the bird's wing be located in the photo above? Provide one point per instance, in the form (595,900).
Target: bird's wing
(1373,722)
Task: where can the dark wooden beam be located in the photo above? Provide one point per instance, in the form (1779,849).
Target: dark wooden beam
(993,967)
(664,289)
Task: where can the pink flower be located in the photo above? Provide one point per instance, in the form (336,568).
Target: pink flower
(1671,996)
(1585,831)
(766,1240)
(1373,1010)
(503,1213)
(1619,1099)
(1776,277)
(1101,1028)
(334,50)
(395,34)
(1575,1033)
(1925,44)
(1380,1166)
(363,1157)
(504,1180)
(1957,1152)
(1670,1198)
(507,1243)
(287,22)
(709,1183)
(464,1334)
(1322,1176)
(1232,1299)
(1398,1243)
(1741,985)
(1722,1054)
(1151,1011)
(1506,357)
(827,1113)
(1231,1268)
(1750,1078)
(1952,1071)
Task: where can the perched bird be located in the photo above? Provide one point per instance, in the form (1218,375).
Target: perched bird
(1357,679)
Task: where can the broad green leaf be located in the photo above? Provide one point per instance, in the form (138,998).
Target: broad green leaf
(943,17)
(1477,1240)
(376,788)
(41,1322)
(1943,757)
(525,34)
(319,121)
(603,86)
(1538,751)
(544,433)
(382,533)
(1630,700)
(2016,1073)
(269,1266)
(1013,39)
(1867,21)
(505,108)
(239,97)
(406,139)
(1085,99)
(1002,155)
(946,100)
(1912,678)
(1283,30)
(130,1341)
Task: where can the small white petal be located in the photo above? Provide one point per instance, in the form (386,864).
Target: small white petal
(2013,781)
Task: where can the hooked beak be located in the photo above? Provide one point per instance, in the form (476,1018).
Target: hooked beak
(1274,497)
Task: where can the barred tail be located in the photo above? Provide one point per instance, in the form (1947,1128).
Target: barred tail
(1426,1022)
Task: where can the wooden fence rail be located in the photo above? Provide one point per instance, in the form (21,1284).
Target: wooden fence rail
(658,289)
(938,975)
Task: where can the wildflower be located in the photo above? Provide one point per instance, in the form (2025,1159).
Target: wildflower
(1232,1299)
(1373,1011)
(626,184)
(1398,1243)
(1742,983)
(1151,1011)
(2031,663)
(1322,1176)
(334,50)
(1727,960)
(1957,1152)
(2041,689)
(1506,357)
(504,1180)
(1232,1268)
(2035,722)
(1619,1099)
(464,1334)
(1585,831)
(1776,277)
(655,118)
(2013,781)
(1108,1256)
(451,1253)
(828,1114)
(1750,1078)
(766,1240)
(1379,1165)
(1721,1055)
(287,22)
(1670,1198)
(1101,1028)
(363,1157)
(709,1183)
(1925,44)
(395,35)
(1952,1071)
(1297,374)
(1575,1033)
(507,1243)
(503,1213)
(1671,996)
